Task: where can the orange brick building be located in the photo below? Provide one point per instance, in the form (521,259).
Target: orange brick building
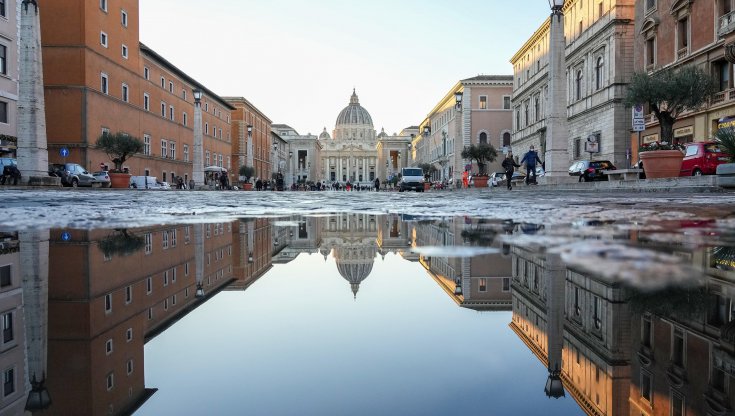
(244,115)
(99,77)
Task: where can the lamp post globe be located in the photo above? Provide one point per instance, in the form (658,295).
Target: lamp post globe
(458,99)
(556,4)
(197,95)
(427,130)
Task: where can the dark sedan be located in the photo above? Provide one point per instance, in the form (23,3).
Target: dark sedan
(591,170)
(71,174)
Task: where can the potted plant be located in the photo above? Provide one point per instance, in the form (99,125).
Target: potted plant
(725,138)
(661,159)
(482,153)
(119,147)
(428,169)
(246,172)
(668,93)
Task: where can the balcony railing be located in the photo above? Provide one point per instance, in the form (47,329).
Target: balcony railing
(682,52)
(727,24)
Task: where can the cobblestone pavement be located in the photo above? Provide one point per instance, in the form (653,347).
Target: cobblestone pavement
(86,209)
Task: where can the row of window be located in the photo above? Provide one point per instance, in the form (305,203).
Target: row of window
(215,111)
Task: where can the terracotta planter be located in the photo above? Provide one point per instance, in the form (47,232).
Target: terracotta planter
(119,180)
(247,186)
(427,186)
(662,163)
(481,181)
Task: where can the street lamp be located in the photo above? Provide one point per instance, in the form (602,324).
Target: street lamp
(427,131)
(556,6)
(290,166)
(198,162)
(458,100)
(250,145)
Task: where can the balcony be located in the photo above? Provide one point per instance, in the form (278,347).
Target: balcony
(727,24)
(723,97)
(682,52)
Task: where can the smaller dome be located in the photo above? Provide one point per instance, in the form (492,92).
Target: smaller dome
(324,134)
(382,133)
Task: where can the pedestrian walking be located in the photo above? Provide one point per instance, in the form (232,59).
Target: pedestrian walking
(509,165)
(377,184)
(530,159)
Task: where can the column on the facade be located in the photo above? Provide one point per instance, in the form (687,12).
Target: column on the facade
(365,171)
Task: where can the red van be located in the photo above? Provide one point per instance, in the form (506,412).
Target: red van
(702,158)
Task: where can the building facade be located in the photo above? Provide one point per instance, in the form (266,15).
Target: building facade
(483,115)
(302,162)
(8,77)
(251,138)
(674,33)
(599,42)
(99,78)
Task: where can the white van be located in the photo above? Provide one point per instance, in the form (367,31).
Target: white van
(145,182)
(411,178)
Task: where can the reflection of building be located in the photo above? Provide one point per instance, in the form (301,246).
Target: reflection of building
(684,348)
(12,319)
(578,322)
(111,291)
(252,251)
(353,239)
(478,282)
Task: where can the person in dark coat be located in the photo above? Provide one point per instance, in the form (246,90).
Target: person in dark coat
(10,172)
(509,165)
(530,159)
(377,184)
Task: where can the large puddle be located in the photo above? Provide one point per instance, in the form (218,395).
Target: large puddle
(366,314)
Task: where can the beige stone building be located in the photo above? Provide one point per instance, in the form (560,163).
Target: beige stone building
(8,77)
(599,57)
(483,115)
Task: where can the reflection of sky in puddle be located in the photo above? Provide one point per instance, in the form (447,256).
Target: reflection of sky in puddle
(391,314)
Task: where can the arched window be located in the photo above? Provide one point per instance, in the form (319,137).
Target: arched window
(578,85)
(599,67)
(506,139)
(483,138)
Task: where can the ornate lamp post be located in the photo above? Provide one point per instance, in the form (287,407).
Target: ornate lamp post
(250,148)
(557,130)
(458,100)
(198,161)
(290,166)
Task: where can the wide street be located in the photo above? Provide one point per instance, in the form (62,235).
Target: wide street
(86,209)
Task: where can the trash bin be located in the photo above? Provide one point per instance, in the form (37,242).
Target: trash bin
(191,184)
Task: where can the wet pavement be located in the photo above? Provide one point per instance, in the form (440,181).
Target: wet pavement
(367,303)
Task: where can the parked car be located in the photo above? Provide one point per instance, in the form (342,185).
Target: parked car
(148,182)
(102,179)
(71,174)
(702,158)
(498,178)
(590,170)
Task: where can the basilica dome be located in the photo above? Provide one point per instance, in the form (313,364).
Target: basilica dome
(354,114)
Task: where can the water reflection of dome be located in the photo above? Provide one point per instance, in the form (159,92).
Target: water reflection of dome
(354,264)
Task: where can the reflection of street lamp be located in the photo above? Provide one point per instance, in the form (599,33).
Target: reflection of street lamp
(198,162)
(199,291)
(458,287)
(38,397)
(250,257)
(554,386)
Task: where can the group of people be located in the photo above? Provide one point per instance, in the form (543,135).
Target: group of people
(530,159)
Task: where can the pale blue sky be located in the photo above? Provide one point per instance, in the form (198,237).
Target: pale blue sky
(298,61)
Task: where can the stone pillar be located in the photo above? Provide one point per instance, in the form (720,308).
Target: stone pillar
(198,156)
(32,142)
(241,144)
(34,266)
(555,279)
(557,155)
(250,149)
(199,259)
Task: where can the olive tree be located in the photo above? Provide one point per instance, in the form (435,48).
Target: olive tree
(482,153)
(119,147)
(669,92)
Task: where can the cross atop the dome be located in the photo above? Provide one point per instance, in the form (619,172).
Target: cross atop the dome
(354,99)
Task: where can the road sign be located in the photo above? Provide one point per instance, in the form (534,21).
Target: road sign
(65,236)
(637,111)
(639,124)
(64,152)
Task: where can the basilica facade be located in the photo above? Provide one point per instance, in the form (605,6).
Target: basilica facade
(352,153)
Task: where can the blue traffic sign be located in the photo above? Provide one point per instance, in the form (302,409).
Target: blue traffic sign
(64,152)
(65,236)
